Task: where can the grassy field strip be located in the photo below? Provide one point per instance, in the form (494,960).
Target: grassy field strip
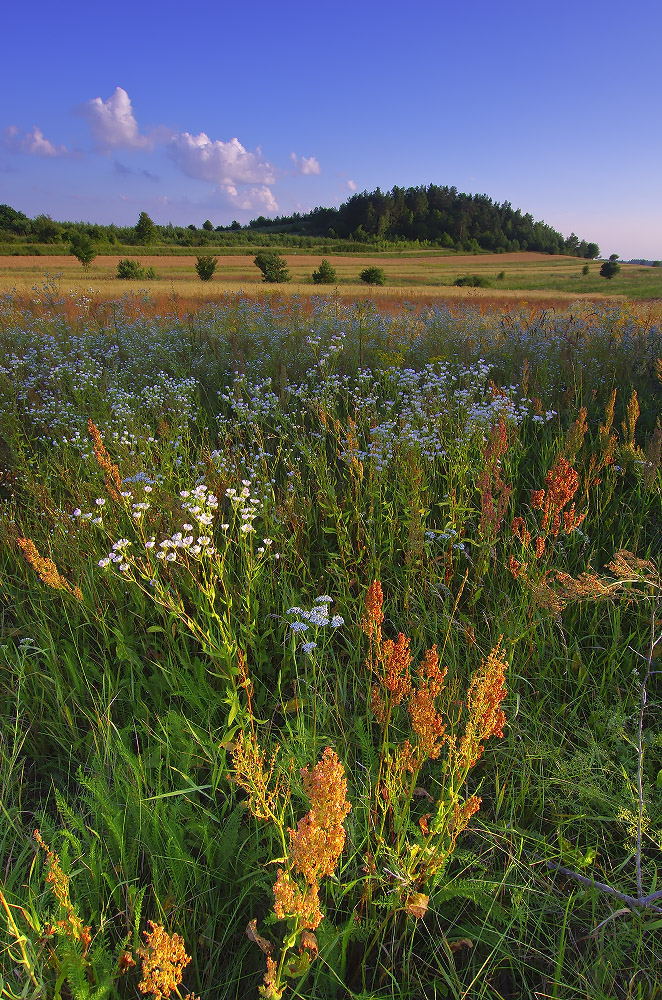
(429,275)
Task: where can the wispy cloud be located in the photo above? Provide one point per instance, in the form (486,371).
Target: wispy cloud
(124,171)
(351,185)
(32,143)
(219,162)
(113,123)
(305,164)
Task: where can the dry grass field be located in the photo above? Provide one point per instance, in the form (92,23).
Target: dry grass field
(425,277)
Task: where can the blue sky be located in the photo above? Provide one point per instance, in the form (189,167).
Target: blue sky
(225,111)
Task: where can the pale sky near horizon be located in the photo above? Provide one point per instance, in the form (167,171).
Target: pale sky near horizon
(219,111)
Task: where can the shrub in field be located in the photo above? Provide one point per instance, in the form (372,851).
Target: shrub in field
(373,276)
(273,266)
(83,249)
(611,267)
(325,274)
(205,267)
(130,269)
(586,269)
(473,281)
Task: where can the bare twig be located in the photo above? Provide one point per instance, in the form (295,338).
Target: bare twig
(632,901)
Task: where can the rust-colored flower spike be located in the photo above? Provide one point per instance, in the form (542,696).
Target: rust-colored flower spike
(56,878)
(426,722)
(574,438)
(164,959)
(265,785)
(520,530)
(46,569)
(630,423)
(72,926)
(374,615)
(113,478)
(486,717)
(271,990)
(562,481)
(319,839)
(396,662)
(293,902)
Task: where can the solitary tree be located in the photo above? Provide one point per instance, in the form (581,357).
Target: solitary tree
(82,247)
(205,266)
(373,276)
(145,231)
(272,265)
(610,268)
(208,226)
(325,274)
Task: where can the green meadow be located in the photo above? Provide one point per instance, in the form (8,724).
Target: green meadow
(330,634)
(410,274)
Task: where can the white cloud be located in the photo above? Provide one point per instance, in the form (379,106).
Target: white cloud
(306,165)
(113,124)
(351,185)
(253,199)
(225,163)
(33,143)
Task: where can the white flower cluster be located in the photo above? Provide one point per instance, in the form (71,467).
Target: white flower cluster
(247,506)
(118,555)
(202,504)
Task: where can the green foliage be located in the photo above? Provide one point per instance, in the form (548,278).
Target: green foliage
(205,267)
(586,269)
(13,222)
(83,248)
(44,230)
(610,268)
(208,226)
(273,266)
(373,276)
(473,281)
(325,274)
(145,230)
(130,269)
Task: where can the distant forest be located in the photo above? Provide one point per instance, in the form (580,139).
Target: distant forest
(438,216)
(433,216)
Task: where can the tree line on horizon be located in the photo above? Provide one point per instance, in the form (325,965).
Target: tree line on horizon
(432,216)
(439,216)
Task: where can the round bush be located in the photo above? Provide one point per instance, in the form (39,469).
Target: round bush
(373,276)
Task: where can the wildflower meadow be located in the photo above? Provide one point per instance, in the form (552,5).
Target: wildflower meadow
(330,645)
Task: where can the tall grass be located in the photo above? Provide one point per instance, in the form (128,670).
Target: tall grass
(311,567)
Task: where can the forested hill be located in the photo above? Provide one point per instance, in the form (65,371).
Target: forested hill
(441,216)
(433,216)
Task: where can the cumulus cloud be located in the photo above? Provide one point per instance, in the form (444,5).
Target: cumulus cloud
(225,163)
(306,165)
(351,185)
(33,143)
(253,199)
(113,124)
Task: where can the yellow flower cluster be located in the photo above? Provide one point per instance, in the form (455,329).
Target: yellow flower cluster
(46,569)
(164,959)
